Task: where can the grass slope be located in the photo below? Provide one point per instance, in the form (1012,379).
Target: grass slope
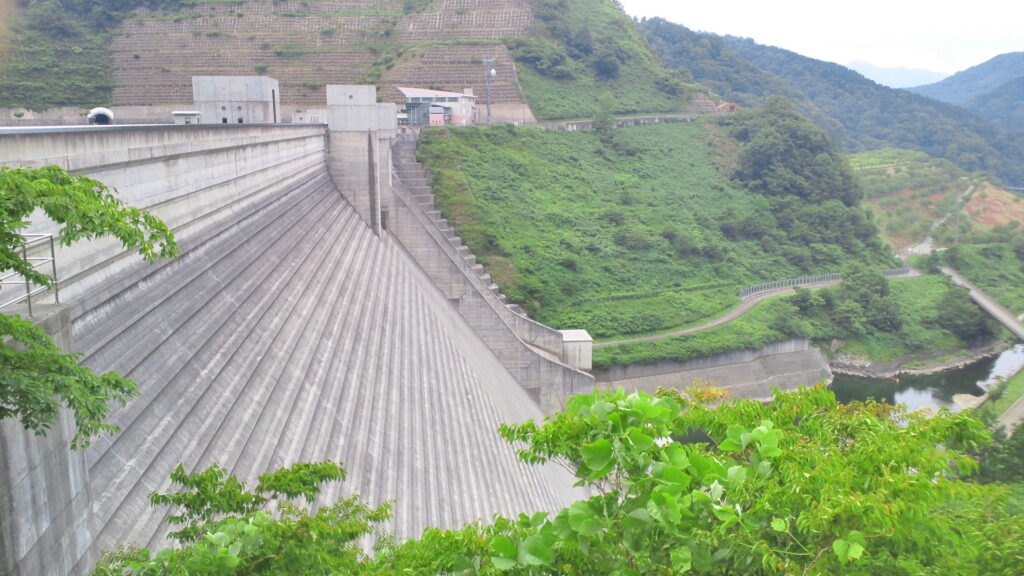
(634,236)
(581,50)
(997,269)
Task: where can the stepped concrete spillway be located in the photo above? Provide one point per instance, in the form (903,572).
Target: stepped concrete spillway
(288,330)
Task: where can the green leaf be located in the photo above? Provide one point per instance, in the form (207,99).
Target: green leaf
(640,441)
(506,553)
(842,549)
(780,525)
(534,552)
(597,455)
(736,475)
(682,558)
(583,520)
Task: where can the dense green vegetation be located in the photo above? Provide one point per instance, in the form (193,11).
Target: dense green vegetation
(976,81)
(636,230)
(60,57)
(37,379)
(872,319)
(798,486)
(876,117)
(583,49)
(998,269)
(861,114)
(1003,106)
(708,60)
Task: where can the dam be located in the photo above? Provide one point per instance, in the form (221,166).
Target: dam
(321,309)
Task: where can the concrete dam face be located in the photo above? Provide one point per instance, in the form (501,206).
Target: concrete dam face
(291,328)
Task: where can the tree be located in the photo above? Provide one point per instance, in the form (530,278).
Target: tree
(36,377)
(801,485)
(961,316)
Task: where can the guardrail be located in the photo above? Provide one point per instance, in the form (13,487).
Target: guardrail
(31,289)
(811,280)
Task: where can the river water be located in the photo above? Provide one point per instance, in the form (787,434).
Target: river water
(934,390)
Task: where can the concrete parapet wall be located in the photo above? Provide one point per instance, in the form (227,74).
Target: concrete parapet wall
(192,177)
(528,349)
(746,373)
(45,506)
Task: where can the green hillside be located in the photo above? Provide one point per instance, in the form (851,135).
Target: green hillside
(858,114)
(643,229)
(877,117)
(975,81)
(708,60)
(580,50)
(1003,106)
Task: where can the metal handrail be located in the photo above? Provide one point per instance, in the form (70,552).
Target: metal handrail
(35,262)
(811,280)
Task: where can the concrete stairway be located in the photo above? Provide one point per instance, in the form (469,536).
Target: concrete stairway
(416,180)
(298,335)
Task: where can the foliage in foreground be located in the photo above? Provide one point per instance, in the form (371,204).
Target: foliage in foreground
(36,377)
(798,486)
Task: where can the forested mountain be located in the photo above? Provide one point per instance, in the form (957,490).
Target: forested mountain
(1003,106)
(976,81)
(870,116)
(708,60)
(863,114)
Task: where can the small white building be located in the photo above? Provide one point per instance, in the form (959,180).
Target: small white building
(437,107)
(236,99)
(186,116)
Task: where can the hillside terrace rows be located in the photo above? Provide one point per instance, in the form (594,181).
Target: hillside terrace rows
(155,62)
(455,68)
(156,54)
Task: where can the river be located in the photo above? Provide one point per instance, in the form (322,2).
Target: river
(933,390)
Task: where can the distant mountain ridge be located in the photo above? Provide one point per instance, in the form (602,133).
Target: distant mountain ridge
(993,90)
(862,115)
(899,77)
(976,81)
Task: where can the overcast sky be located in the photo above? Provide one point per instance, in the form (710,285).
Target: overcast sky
(940,35)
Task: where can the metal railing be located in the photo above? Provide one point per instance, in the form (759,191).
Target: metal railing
(811,280)
(31,289)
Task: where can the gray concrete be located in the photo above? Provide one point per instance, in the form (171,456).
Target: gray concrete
(288,330)
(45,504)
(534,353)
(236,99)
(746,373)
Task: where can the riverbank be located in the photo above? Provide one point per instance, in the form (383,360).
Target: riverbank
(931,363)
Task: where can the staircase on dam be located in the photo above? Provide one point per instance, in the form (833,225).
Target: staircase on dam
(415,177)
(286,331)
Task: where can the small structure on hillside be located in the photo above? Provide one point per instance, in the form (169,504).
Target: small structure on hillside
(186,116)
(101,116)
(729,107)
(236,99)
(425,107)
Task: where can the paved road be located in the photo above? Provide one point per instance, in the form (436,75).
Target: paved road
(746,304)
(1004,316)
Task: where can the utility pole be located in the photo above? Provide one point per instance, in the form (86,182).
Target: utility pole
(489,73)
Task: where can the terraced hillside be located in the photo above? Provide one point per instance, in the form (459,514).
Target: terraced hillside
(306,45)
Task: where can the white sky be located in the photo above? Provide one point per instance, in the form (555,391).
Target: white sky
(938,35)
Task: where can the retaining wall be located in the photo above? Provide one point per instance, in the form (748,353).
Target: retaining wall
(45,504)
(746,373)
(192,177)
